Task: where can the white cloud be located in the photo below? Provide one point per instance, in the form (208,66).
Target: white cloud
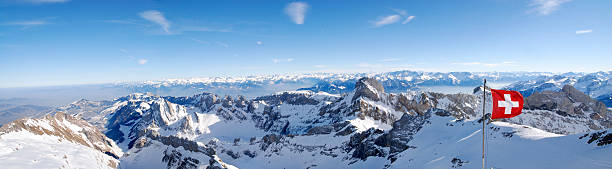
(507,63)
(545,7)
(225,45)
(390,59)
(320,66)
(201,29)
(156,17)
(124,21)
(368,65)
(400,11)
(584,31)
(44,1)
(26,23)
(259,43)
(200,41)
(297,11)
(391,19)
(142,61)
(280,60)
(408,19)
(387,20)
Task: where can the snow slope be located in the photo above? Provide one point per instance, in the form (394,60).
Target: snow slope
(56,141)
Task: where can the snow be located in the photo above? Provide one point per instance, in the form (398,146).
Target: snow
(125,130)
(469,136)
(367,123)
(40,123)
(27,150)
(527,131)
(147,157)
(528,148)
(71,126)
(151,156)
(229,130)
(206,120)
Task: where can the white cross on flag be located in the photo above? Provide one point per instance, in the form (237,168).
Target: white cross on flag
(506,103)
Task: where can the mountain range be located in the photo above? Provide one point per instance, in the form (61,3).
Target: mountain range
(369,126)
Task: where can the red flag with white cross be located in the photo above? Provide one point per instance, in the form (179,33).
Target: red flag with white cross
(506,104)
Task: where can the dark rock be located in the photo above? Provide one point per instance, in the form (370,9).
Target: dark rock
(368,88)
(249,153)
(403,131)
(288,98)
(175,158)
(321,130)
(457,162)
(269,139)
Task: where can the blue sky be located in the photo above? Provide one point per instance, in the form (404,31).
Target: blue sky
(59,42)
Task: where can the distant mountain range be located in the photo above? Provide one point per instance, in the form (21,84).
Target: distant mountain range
(596,85)
(334,83)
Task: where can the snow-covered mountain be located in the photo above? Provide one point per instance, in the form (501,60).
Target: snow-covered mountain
(31,101)
(597,85)
(365,128)
(564,112)
(57,140)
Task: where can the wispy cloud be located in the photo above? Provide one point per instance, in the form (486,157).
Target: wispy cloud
(225,45)
(297,11)
(44,1)
(320,66)
(158,18)
(378,67)
(177,27)
(390,59)
(507,63)
(124,21)
(400,11)
(218,43)
(387,20)
(280,60)
(584,31)
(545,7)
(142,61)
(202,29)
(200,41)
(26,24)
(408,19)
(259,43)
(391,19)
(369,65)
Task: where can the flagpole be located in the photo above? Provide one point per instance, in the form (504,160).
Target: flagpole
(484,91)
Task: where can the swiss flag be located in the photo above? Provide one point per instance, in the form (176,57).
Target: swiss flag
(506,104)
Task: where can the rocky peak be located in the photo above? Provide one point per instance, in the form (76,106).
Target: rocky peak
(369,88)
(576,95)
(571,103)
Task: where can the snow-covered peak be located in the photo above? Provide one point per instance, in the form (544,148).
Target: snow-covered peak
(55,141)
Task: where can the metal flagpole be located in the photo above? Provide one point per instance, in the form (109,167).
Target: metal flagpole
(484,91)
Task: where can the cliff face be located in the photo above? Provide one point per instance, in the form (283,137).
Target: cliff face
(570,102)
